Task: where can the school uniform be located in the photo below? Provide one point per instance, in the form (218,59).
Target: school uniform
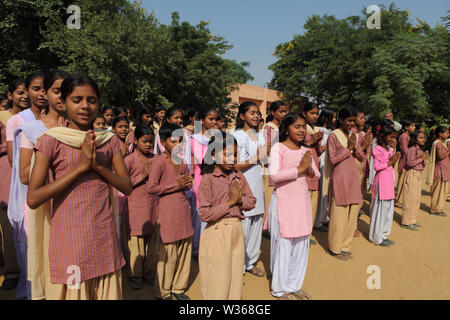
(403,142)
(11,268)
(322,208)
(290,220)
(141,216)
(346,194)
(83,231)
(438,177)
(175,223)
(222,249)
(361,164)
(382,204)
(253,223)
(313,183)
(271,136)
(412,194)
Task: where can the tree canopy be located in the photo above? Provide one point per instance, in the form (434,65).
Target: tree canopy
(134,58)
(403,68)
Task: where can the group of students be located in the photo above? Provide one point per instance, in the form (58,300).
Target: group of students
(87,192)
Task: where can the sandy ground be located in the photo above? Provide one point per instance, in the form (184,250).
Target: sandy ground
(416,267)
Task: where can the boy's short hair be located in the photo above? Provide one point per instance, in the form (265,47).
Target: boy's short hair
(166,131)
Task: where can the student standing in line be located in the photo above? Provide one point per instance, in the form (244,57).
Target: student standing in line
(83,231)
(345,186)
(290,217)
(169,178)
(223,194)
(412,194)
(408,127)
(438,173)
(382,205)
(108,113)
(142,207)
(250,143)
(160,113)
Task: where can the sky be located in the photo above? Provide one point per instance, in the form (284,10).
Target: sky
(256,27)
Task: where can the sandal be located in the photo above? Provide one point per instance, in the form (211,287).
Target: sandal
(288,296)
(303,295)
(312,242)
(440,214)
(417,225)
(257,272)
(410,227)
(136,283)
(347,253)
(340,256)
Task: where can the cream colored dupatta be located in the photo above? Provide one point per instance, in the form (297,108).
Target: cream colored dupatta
(39,218)
(432,162)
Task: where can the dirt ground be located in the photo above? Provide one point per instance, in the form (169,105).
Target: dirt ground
(416,267)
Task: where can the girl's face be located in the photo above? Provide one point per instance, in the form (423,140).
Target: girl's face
(391,140)
(160,115)
(129,113)
(82,107)
(251,117)
(99,123)
(146,118)
(347,124)
(176,118)
(54,97)
(122,114)
(227,158)
(411,128)
(297,131)
(4,104)
(19,97)
(279,114)
(145,144)
(311,116)
(109,116)
(171,143)
(36,93)
(421,139)
(210,120)
(360,121)
(121,129)
(220,124)
(444,135)
(261,124)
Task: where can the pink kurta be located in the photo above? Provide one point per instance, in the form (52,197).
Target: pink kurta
(403,146)
(83,229)
(142,206)
(214,192)
(442,167)
(5,168)
(198,151)
(174,212)
(385,176)
(313,183)
(293,201)
(413,159)
(344,177)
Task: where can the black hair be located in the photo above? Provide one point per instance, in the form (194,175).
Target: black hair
(144,109)
(143,130)
(358,111)
(288,119)
(274,106)
(406,123)
(221,116)
(170,112)
(77,80)
(387,122)
(116,120)
(119,110)
(107,107)
(12,87)
(31,77)
(219,142)
(326,118)
(413,139)
(99,115)
(166,131)
(3,97)
(159,108)
(440,129)
(269,118)
(243,108)
(346,112)
(384,131)
(309,106)
(52,76)
(204,112)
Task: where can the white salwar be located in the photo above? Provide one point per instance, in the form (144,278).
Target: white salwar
(322,209)
(288,257)
(381,216)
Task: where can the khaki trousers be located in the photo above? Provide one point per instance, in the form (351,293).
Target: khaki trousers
(173,268)
(140,263)
(314,196)
(106,287)
(412,195)
(11,269)
(439,190)
(400,189)
(342,226)
(221,259)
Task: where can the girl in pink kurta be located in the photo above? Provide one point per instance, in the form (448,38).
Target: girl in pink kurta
(382,205)
(290,214)
(199,145)
(84,245)
(141,206)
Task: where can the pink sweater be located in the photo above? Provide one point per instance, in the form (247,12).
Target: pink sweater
(385,175)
